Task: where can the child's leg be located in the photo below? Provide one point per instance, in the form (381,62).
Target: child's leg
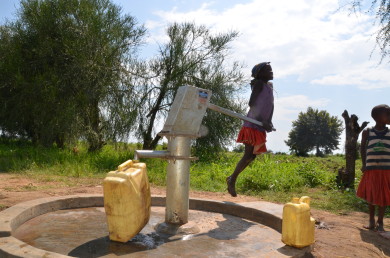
(256,149)
(371,224)
(381,214)
(241,165)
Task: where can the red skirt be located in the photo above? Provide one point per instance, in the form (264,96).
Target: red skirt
(253,137)
(374,187)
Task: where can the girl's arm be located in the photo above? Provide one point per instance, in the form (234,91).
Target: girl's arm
(257,88)
(363,149)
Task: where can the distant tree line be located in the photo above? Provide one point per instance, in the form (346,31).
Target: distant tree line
(69,71)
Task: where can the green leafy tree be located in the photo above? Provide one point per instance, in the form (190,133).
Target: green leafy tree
(65,73)
(192,56)
(314,130)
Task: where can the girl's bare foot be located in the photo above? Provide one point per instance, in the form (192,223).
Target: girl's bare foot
(231,187)
(370,226)
(380,228)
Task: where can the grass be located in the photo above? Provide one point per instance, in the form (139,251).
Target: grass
(22,157)
(3,207)
(275,178)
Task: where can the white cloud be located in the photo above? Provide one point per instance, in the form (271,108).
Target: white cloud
(288,108)
(307,38)
(362,77)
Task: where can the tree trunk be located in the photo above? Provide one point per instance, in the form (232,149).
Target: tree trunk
(318,152)
(352,130)
(60,140)
(95,136)
(150,143)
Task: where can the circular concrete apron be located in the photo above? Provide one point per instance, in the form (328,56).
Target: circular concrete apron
(75,226)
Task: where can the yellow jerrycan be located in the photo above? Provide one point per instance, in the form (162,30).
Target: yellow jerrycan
(298,226)
(127,200)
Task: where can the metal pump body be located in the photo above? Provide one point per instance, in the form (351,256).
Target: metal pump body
(183,124)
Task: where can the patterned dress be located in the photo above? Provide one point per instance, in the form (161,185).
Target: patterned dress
(374,186)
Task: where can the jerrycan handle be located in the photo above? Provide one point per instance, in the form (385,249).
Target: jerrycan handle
(295,200)
(125,165)
(305,199)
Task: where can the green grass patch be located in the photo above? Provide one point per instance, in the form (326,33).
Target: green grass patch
(23,157)
(275,178)
(3,207)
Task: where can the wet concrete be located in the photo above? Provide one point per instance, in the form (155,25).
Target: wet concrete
(83,233)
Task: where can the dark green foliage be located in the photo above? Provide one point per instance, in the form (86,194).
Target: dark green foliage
(314,130)
(63,73)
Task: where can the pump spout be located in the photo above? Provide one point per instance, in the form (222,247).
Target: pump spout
(150,154)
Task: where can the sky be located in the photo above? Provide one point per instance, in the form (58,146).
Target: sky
(322,56)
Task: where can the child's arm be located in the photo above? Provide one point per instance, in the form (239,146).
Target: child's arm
(257,88)
(363,149)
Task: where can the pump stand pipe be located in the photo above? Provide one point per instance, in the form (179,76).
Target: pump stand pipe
(178,181)
(178,176)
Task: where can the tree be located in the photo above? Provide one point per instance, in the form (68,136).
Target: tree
(352,130)
(314,130)
(192,56)
(65,72)
(381,9)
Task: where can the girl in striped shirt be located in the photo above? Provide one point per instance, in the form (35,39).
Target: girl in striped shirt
(374,186)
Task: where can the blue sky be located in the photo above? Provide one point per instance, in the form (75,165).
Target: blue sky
(321,56)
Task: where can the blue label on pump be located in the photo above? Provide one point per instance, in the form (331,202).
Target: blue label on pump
(203,94)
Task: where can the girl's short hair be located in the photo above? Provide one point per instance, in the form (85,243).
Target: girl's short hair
(257,68)
(379,109)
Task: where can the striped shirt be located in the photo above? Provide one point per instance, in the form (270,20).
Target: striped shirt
(378,149)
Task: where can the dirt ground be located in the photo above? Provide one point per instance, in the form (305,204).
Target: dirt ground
(336,235)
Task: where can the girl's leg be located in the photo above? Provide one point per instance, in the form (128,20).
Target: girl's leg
(371,224)
(241,165)
(381,214)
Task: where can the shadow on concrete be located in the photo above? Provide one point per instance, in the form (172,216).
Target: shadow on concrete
(228,229)
(378,241)
(104,246)
(290,251)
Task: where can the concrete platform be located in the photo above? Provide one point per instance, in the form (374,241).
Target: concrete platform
(228,230)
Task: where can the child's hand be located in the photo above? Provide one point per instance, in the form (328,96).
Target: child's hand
(267,126)
(363,169)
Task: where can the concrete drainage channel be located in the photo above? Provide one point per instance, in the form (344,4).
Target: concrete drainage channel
(227,230)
